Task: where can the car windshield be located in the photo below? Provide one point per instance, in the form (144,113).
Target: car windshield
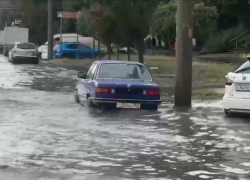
(26,46)
(243,68)
(124,71)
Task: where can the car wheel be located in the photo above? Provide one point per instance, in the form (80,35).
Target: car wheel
(153,107)
(227,113)
(77,100)
(89,103)
(13,61)
(36,61)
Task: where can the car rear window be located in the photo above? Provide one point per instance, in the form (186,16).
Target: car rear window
(123,71)
(243,68)
(26,46)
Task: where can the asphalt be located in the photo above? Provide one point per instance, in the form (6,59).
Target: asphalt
(44,135)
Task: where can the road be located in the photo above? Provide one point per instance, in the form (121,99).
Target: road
(44,135)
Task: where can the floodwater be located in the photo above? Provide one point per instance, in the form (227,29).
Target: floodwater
(44,135)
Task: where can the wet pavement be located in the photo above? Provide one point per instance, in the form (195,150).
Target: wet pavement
(44,135)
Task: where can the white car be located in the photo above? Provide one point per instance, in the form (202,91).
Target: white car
(237,90)
(23,53)
(44,50)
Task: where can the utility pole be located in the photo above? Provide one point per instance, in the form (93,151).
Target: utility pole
(50,29)
(184,51)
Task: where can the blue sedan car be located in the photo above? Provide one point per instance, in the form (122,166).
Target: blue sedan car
(117,84)
(72,50)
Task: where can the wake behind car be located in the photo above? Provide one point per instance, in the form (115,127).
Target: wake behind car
(23,53)
(237,90)
(117,84)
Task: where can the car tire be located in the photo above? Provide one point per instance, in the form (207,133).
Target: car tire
(89,103)
(13,61)
(227,113)
(154,108)
(36,61)
(77,100)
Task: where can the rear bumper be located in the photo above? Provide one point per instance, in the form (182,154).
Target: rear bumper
(114,101)
(24,59)
(236,104)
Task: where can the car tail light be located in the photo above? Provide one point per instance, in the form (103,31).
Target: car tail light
(15,51)
(152,92)
(105,90)
(228,82)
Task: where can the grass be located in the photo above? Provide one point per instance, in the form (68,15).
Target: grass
(205,74)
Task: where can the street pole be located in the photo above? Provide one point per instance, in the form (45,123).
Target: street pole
(183,66)
(77,55)
(61,22)
(50,29)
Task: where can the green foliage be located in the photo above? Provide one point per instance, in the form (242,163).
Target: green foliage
(205,22)
(220,43)
(164,24)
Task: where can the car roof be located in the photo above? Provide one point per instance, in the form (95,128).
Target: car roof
(116,62)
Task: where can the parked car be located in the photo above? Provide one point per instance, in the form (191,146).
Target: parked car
(41,49)
(125,50)
(23,53)
(237,90)
(72,50)
(116,84)
(44,54)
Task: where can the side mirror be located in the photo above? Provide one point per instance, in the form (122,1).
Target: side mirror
(81,75)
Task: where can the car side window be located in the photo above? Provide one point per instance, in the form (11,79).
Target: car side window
(91,71)
(71,46)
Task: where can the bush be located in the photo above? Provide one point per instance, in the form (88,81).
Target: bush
(220,43)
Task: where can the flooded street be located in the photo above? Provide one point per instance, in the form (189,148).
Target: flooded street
(45,135)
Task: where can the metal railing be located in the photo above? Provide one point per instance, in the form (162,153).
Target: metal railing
(239,38)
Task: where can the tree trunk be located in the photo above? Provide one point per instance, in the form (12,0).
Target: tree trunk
(117,48)
(128,52)
(140,47)
(93,43)
(99,49)
(109,51)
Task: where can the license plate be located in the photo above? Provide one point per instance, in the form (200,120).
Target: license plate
(242,87)
(128,105)
(26,53)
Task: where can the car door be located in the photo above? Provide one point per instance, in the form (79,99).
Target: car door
(71,50)
(85,51)
(84,85)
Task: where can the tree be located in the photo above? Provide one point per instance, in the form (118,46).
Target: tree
(99,22)
(133,19)
(164,22)
(75,6)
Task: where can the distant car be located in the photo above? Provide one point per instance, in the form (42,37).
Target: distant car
(237,90)
(41,49)
(72,50)
(23,53)
(44,54)
(117,84)
(125,50)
